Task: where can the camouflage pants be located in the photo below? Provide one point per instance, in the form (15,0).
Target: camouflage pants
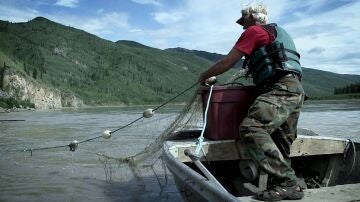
(269,129)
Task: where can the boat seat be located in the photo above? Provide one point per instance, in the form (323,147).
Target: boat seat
(214,149)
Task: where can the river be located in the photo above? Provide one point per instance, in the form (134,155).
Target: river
(61,175)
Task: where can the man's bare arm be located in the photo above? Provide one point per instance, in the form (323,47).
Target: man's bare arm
(222,66)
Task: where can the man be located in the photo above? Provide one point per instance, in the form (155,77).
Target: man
(270,125)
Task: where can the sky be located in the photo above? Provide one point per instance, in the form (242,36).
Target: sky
(326,32)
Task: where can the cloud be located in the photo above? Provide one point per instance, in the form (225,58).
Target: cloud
(153,2)
(324,32)
(167,18)
(17,15)
(334,31)
(316,50)
(106,25)
(353,54)
(110,26)
(67,3)
(135,30)
(204,25)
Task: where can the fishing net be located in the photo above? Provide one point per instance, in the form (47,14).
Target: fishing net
(147,162)
(122,163)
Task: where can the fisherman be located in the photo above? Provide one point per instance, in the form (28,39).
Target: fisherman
(269,128)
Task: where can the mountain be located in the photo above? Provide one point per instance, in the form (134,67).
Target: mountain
(132,44)
(43,61)
(317,83)
(214,57)
(95,70)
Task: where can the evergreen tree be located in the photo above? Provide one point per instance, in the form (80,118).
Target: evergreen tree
(352,88)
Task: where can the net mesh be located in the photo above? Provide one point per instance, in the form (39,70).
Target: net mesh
(148,162)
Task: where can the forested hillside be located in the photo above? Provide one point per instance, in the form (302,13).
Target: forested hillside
(317,83)
(101,72)
(96,70)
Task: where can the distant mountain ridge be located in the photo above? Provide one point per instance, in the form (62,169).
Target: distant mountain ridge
(95,70)
(132,44)
(214,57)
(78,65)
(317,83)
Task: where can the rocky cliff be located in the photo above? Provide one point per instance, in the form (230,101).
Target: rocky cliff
(43,98)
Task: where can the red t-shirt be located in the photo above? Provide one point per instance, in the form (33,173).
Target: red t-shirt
(253,38)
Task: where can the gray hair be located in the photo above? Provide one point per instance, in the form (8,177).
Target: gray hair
(259,12)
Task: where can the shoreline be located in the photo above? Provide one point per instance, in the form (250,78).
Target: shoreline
(310,101)
(3,110)
(332,101)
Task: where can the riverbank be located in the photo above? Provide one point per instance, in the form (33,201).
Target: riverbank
(333,101)
(3,110)
(17,107)
(146,106)
(11,103)
(349,96)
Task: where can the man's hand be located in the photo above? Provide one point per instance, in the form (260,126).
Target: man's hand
(202,79)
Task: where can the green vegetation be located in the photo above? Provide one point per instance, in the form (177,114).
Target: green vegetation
(8,103)
(350,96)
(102,72)
(352,88)
(317,84)
(214,57)
(96,70)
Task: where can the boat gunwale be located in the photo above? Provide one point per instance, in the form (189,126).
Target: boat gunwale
(174,163)
(185,172)
(302,146)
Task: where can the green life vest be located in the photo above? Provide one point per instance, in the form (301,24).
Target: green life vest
(280,57)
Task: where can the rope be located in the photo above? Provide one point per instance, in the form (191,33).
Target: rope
(354,156)
(73,145)
(43,148)
(11,120)
(175,96)
(200,141)
(129,124)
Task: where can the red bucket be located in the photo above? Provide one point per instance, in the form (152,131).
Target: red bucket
(228,107)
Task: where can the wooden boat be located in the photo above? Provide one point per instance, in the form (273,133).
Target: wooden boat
(328,169)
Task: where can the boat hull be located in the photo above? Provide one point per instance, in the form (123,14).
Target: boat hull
(337,165)
(191,185)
